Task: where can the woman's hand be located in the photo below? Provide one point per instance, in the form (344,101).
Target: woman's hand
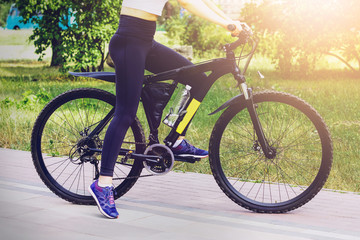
(235,28)
(209,11)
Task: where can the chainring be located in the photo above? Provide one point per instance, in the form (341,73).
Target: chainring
(165,164)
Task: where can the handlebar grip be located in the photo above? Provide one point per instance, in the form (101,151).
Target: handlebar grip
(243,36)
(231,27)
(246,31)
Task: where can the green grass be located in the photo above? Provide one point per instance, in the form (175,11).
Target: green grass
(26,86)
(338,101)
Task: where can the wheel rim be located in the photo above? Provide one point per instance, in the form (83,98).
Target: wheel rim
(286,177)
(64,147)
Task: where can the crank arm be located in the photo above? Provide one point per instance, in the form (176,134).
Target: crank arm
(136,156)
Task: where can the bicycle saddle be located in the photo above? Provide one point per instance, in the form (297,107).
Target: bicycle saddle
(106,76)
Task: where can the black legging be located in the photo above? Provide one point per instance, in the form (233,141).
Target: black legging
(133,49)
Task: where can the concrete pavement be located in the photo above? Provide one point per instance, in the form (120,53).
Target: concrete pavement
(174,206)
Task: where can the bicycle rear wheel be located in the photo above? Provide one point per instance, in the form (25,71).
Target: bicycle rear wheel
(60,147)
(302,145)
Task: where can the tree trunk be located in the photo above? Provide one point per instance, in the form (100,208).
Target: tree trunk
(101,65)
(56,58)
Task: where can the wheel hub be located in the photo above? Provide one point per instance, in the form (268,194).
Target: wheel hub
(81,152)
(271,154)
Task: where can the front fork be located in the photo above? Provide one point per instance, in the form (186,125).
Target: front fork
(251,107)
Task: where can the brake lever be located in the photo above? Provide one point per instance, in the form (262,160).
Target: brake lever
(247,29)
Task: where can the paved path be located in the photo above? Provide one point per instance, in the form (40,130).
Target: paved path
(18,47)
(21,52)
(175,206)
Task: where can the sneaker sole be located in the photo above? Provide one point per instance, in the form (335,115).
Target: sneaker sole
(98,204)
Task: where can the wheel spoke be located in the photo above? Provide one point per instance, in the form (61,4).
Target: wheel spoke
(66,120)
(63,158)
(79,111)
(292,133)
(96,108)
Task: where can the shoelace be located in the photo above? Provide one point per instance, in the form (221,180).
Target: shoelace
(110,196)
(192,149)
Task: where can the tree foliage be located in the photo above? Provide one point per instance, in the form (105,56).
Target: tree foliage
(295,34)
(79,44)
(205,37)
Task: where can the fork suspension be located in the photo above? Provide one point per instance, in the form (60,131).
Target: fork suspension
(251,107)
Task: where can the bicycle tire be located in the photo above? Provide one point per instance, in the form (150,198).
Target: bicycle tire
(58,132)
(303,153)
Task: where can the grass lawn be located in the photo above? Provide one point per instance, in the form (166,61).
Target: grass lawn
(26,86)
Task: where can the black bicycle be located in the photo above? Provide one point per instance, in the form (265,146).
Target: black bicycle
(269,151)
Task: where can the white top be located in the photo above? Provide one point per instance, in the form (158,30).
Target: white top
(150,6)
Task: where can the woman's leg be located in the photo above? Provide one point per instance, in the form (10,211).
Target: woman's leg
(129,55)
(162,58)
(128,49)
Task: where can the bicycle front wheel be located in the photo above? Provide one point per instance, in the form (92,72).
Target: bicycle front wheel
(61,148)
(302,146)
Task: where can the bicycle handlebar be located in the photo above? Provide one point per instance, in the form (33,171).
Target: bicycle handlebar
(245,29)
(243,36)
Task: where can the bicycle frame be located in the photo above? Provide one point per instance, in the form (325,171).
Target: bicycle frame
(274,172)
(218,67)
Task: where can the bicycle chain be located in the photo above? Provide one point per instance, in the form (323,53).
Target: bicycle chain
(125,178)
(134,177)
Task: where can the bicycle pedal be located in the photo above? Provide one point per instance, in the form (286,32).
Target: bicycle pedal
(186,159)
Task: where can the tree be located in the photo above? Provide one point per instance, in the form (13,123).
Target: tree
(346,35)
(97,21)
(296,33)
(48,33)
(80,43)
(187,29)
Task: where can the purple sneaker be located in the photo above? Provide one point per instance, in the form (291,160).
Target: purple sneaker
(185,149)
(104,198)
